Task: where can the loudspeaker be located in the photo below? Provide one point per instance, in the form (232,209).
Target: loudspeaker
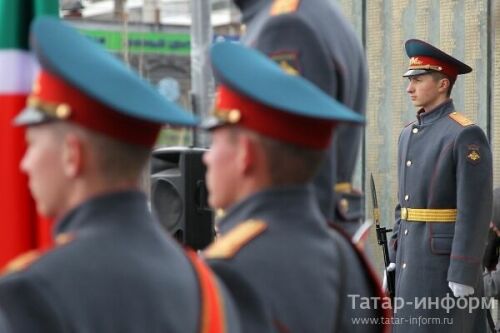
(179,195)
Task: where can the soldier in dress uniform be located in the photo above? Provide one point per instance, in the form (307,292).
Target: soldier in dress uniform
(270,132)
(312,38)
(91,124)
(444,201)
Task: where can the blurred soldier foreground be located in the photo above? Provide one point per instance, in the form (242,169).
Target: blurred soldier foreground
(444,200)
(270,132)
(312,38)
(91,125)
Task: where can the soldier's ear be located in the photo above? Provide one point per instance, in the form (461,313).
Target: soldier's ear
(444,84)
(72,155)
(249,154)
(246,154)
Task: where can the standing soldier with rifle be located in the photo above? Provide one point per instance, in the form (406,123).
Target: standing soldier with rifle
(444,202)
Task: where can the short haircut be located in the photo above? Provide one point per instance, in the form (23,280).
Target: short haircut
(116,160)
(439,76)
(287,163)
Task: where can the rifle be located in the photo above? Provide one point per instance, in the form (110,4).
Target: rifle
(382,240)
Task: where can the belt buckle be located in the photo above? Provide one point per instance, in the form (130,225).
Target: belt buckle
(404,213)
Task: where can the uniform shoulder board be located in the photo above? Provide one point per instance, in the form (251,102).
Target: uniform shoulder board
(26,259)
(21,262)
(287,60)
(229,244)
(284,7)
(461,119)
(64,238)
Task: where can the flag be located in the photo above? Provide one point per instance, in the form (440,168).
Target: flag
(20,228)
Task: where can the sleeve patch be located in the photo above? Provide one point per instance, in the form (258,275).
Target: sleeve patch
(284,7)
(229,244)
(473,155)
(287,60)
(461,119)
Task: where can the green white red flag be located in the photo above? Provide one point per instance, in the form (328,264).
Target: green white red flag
(20,228)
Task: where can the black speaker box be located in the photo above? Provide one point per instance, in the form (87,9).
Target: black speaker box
(179,195)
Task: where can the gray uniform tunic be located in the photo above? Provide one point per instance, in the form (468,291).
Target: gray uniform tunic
(4,328)
(120,274)
(442,164)
(319,43)
(302,270)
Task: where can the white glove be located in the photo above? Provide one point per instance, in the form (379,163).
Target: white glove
(460,290)
(390,268)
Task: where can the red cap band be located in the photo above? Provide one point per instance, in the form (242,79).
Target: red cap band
(425,62)
(90,113)
(281,125)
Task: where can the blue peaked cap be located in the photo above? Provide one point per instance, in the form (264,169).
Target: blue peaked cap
(86,67)
(425,58)
(255,76)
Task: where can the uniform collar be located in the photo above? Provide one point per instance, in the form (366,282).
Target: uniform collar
(106,206)
(428,117)
(267,203)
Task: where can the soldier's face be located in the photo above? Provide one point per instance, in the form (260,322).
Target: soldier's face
(222,169)
(424,91)
(43,166)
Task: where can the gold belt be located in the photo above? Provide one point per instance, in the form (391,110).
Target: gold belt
(428,215)
(344,187)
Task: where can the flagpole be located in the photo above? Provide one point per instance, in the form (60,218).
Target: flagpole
(202,83)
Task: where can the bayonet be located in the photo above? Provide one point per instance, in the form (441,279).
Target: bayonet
(382,240)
